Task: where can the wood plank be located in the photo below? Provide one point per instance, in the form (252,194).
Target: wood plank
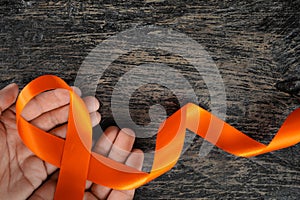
(255,46)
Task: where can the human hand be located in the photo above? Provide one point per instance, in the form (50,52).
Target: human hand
(23,175)
(115,144)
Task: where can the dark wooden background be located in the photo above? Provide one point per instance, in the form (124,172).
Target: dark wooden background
(255,45)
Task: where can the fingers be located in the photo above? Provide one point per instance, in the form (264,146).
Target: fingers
(62,130)
(117,145)
(135,159)
(121,195)
(54,117)
(95,118)
(45,102)
(76,90)
(50,110)
(122,145)
(89,196)
(91,103)
(47,190)
(8,96)
(105,142)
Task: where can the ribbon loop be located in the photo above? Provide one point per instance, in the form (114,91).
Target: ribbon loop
(77,163)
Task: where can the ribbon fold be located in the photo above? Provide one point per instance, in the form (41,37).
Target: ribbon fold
(77,163)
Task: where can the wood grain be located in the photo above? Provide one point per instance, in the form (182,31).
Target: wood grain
(255,45)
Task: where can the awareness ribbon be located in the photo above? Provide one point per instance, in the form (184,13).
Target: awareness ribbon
(77,163)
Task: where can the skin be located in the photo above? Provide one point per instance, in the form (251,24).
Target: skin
(25,176)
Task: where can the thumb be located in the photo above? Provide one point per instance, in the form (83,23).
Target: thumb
(8,96)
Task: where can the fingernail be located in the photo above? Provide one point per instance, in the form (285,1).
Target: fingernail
(77,90)
(128,131)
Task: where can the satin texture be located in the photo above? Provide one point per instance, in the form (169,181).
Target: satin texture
(78,163)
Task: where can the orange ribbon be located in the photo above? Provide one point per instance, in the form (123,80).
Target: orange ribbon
(77,163)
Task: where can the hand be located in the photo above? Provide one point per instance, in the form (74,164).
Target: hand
(23,175)
(117,145)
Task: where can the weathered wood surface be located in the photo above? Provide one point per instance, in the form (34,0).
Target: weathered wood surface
(255,46)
